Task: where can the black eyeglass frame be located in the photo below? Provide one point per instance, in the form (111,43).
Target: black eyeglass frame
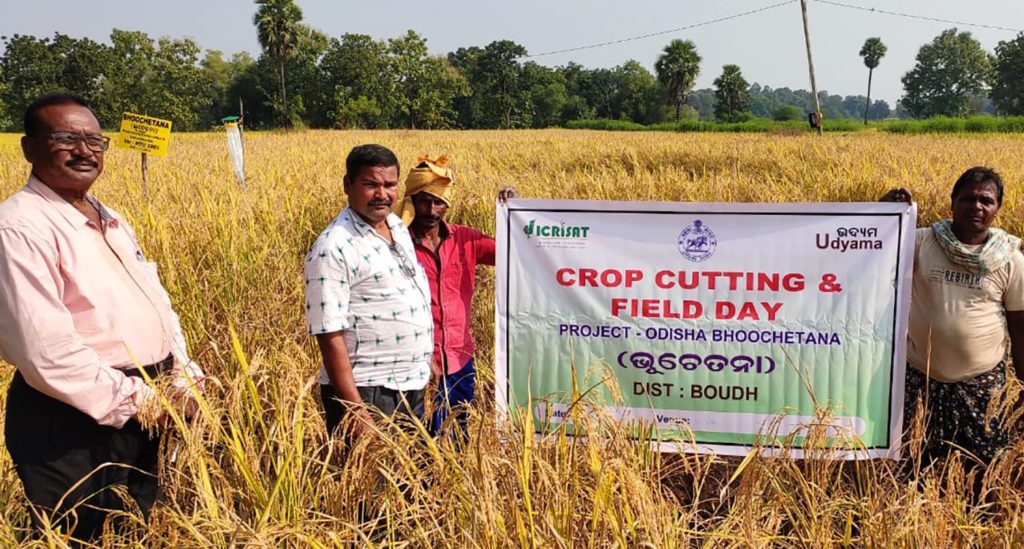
(67,141)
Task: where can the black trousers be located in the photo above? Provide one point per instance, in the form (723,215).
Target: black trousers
(388,401)
(55,446)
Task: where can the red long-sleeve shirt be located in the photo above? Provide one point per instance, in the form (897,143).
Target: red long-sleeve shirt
(451,273)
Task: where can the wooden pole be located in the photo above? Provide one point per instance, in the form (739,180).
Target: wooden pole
(241,121)
(867,102)
(810,67)
(241,138)
(145,176)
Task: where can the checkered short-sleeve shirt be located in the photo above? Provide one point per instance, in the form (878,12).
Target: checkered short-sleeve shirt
(376,293)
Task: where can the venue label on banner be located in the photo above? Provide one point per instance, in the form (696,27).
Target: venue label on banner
(713,327)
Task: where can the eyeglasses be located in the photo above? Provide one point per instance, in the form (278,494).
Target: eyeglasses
(65,141)
(403,260)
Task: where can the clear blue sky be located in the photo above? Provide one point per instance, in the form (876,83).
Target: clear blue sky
(768,46)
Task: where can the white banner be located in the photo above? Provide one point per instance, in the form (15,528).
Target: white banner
(728,325)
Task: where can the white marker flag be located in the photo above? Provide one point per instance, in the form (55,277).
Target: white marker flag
(236,151)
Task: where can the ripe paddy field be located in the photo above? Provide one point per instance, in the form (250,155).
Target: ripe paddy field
(256,468)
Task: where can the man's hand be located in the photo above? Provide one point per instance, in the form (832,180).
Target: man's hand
(435,373)
(185,403)
(359,422)
(182,398)
(432,388)
(506,194)
(179,399)
(898,194)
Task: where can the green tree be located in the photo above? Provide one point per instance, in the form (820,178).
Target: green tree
(603,91)
(30,69)
(5,120)
(872,51)
(677,69)
(247,87)
(33,66)
(502,77)
(703,101)
(278,30)
(787,112)
(130,85)
(469,108)
(732,95)
(498,95)
(162,79)
(638,96)
(577,107)
(443,87)
(179,88)
(407,56)
(356,112)
(311,94)
(546,89)
(86,65)
(879,110)
(949,70)
(424,84)
(355,69)
(1008,85)
(222,75)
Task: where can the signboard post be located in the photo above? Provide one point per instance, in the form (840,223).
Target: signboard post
(712,324)
(147,135)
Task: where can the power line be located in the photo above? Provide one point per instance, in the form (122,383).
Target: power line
(659,33)
(922,17)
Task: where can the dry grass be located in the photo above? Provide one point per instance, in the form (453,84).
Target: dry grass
(256,468)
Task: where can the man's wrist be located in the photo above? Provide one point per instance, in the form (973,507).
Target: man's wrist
(147,406)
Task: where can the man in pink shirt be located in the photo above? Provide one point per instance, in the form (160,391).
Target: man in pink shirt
(449,255)
(82,315)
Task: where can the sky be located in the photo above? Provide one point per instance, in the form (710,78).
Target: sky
(767,45)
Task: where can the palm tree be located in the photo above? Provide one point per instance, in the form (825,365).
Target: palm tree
(732,95)
(873,51)
(677,68)
(277,29)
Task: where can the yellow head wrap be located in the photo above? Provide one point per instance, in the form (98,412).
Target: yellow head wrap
(429,176)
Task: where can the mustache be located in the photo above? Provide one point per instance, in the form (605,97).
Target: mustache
(76,161)
(376,202)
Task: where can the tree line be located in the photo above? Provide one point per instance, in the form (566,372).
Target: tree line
(355,81)
(306,78)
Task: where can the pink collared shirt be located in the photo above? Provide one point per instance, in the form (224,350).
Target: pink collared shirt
(78,304)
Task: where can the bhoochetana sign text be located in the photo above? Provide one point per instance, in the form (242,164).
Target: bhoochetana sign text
(713,321)
(144,134)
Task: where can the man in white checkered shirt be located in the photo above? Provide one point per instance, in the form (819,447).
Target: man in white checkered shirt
(367,301)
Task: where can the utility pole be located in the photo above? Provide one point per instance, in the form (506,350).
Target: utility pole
(810,67)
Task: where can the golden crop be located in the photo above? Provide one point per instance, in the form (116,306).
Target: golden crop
(256,468)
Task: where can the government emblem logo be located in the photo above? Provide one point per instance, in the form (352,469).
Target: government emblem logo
(697,242)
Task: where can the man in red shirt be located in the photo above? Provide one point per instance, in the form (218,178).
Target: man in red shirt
(449,254)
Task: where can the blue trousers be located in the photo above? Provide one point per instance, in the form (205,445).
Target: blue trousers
(454,394)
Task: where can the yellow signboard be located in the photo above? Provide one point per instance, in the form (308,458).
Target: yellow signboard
(144,134)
